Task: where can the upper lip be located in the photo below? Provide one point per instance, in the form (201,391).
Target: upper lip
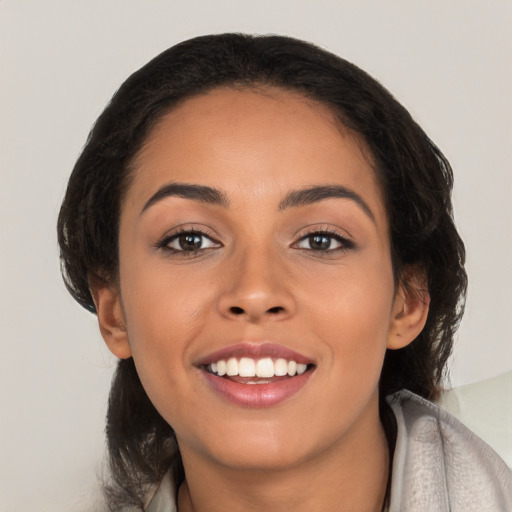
(254,351)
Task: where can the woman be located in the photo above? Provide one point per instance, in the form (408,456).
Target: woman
(267,239)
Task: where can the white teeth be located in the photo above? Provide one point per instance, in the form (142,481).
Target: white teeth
(281,367)
(262,368)
(246,367)
(301,368)
(265,367)
(221,368)
(292,368)
(232,367)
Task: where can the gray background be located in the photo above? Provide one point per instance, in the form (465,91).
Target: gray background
(449,62)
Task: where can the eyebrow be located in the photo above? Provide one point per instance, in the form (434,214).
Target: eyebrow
(303,197)
(316,194)
(197,192)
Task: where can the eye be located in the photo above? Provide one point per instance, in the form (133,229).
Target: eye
(324,242)
(188,241)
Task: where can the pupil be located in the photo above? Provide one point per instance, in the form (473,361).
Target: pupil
(320,242)
(190,242)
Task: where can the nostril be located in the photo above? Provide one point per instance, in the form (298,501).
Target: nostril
(236,310)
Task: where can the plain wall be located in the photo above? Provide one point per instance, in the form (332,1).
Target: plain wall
(60,62)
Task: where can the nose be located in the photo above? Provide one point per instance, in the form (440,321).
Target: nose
(256,288)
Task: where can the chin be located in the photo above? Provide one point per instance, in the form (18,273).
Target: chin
(263,458)
(266,445)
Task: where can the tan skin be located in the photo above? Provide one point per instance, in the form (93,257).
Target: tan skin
(258,274)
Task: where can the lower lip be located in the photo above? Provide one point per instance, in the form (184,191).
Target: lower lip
(257,395)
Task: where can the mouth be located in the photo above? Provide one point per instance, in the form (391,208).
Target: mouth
(256,375)
(247,370)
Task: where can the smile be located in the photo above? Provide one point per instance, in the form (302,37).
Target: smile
(263,368)
(254,375)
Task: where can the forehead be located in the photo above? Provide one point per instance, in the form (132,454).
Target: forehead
(265,138)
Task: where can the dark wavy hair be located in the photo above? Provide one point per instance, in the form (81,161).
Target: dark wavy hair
(415,177)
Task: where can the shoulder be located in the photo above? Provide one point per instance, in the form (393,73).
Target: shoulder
(439,464)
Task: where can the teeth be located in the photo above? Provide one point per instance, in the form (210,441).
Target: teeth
(232,367)
(265,368)
(246,367)
(221,368)
(262,368)
(281,367)
(292,368)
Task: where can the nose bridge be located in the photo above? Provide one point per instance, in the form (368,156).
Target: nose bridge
(255,286)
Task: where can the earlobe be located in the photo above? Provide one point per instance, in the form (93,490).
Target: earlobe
(110,317)
(410,309)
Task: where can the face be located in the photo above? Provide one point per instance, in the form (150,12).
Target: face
(256,288)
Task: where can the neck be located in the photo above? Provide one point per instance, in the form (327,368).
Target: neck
(351,475)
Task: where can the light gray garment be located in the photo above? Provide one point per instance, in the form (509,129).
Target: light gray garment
(163,500)
(439,465)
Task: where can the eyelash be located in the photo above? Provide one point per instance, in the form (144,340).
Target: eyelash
(165,243)
(345,243)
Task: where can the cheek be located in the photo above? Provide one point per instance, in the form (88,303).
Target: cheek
(351,314)
(159,304)
(163,317)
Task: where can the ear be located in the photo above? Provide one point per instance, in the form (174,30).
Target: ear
(110,316)
(410,308)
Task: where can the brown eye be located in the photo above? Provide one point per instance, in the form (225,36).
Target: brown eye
(322,242)
(319,242)
(189,242)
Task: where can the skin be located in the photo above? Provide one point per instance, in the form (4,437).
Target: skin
(324,448)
